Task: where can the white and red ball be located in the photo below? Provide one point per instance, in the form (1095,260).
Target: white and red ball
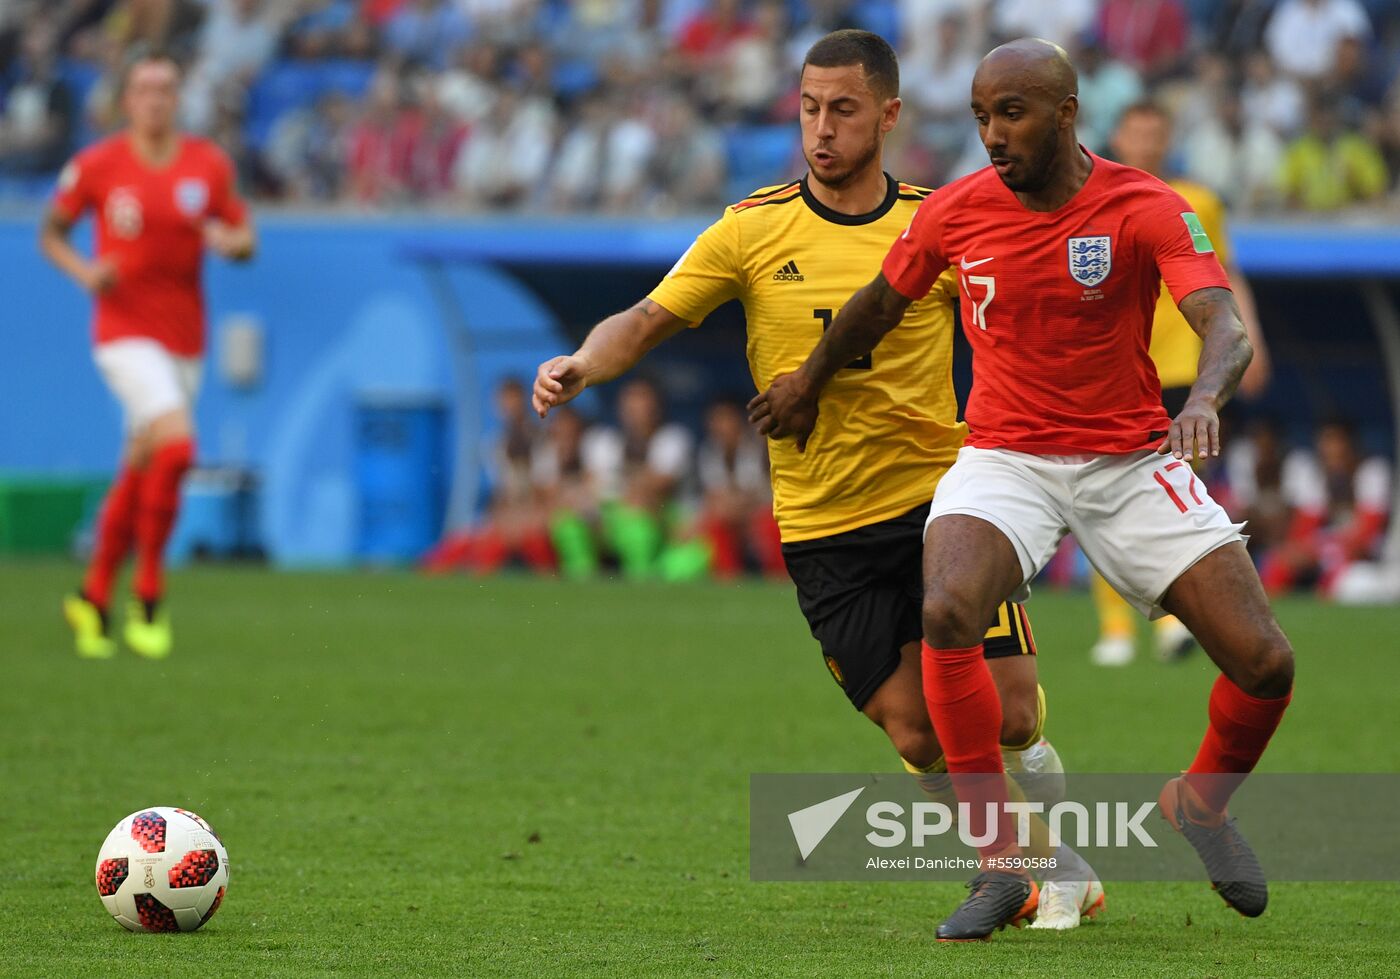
(162,869)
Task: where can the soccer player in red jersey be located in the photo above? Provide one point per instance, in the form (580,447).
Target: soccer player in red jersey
(159,199)
(1060,254)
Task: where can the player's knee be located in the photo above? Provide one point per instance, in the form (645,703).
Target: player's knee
(951,621)
(1018,722)
(1269,673)
(915,742)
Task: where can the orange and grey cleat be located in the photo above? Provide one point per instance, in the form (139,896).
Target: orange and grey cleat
(997,899)
(1233,868)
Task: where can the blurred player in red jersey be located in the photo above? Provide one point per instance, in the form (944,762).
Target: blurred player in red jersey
(159,198)
(1060,255)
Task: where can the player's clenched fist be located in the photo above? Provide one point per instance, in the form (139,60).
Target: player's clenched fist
(787,408)
(558,381)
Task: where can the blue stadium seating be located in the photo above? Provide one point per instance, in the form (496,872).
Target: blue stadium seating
(288,85)
(759,155)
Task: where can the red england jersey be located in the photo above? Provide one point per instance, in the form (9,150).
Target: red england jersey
(1058,305)
(150,226)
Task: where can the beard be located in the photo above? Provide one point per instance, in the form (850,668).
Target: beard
(843,179)
(1037,168)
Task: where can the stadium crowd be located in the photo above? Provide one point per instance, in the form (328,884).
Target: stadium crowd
(643,495)
(656,106)
(659,106)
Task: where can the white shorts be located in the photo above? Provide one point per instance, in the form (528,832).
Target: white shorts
(147,379)
(1141,519)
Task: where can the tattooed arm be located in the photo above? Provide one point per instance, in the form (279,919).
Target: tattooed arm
(1225,353)
(789,406)
(612,348)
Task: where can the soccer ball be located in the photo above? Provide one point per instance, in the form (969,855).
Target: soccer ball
(162,869)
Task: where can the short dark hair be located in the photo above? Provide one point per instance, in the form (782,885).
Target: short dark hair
(147,56)
(852,47)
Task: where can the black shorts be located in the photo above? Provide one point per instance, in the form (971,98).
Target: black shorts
(862,593)
(1174,399)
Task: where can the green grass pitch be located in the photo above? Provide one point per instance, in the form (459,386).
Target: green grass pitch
(451,777)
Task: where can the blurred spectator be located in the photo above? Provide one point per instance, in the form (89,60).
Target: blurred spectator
(507,153)
(378,12)
(1107,86)
(468,89)
(1340,503)
(643,467)
(1271,97)
(600,30)
(1303,35)
(687,167)
(1231,28)
(568,491)
(1359,80)
(102,110)
(237,40)
(752,67)
(145,24)
(37,112)
(706,38)
(603,159)
(229,132)
(434,140)
(507,22)
(939,87)
(1234,155)
(918,27)
(1253,485)
(514,524)
(427,31)
(308,149)
(734,62)
(1329,168)
(1152,36)
(1063,22)
(736,506)
(377,144)
(14,16)
(323,31)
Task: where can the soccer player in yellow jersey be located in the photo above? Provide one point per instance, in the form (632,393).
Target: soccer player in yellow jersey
(852,506)
(1143,139)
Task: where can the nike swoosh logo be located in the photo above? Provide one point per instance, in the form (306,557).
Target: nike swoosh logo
(972,265)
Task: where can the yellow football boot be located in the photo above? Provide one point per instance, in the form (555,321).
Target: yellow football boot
(90,638)
(150,638)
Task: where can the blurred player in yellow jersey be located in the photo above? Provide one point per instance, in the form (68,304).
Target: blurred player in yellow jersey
(1142,139)
(852,503)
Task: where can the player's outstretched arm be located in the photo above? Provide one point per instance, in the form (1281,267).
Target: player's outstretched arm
(235,242)
(1225,353)
(789,406)
(612,348)
(92,276)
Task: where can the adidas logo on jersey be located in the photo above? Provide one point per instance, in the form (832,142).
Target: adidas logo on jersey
(788,273)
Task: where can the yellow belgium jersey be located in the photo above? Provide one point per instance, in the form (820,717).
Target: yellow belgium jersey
(1176,349)
(888,427)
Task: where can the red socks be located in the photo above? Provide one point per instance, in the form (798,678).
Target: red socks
(159,501)
(966,712)
(115,529)
(1240,729)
